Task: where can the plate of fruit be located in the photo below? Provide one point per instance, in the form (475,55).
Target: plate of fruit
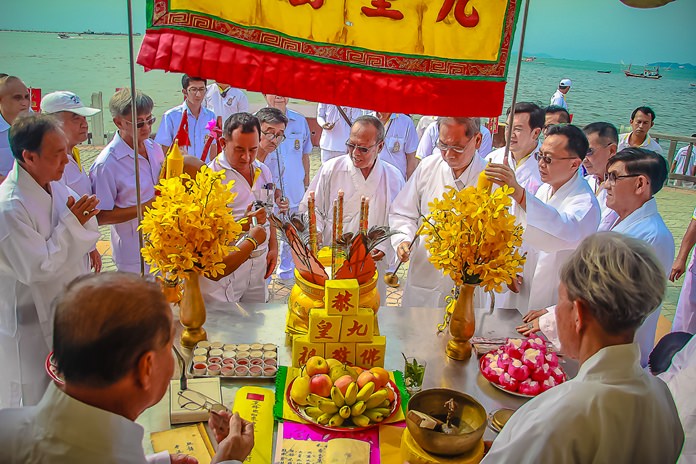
(522,367)
(339,397)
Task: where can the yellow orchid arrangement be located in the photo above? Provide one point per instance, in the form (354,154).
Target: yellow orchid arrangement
(190,226)
(472,237)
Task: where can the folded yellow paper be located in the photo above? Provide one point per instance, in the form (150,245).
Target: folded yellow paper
(191,440)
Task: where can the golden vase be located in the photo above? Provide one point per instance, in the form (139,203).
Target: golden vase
(305,295)
(462,324)
(192,312)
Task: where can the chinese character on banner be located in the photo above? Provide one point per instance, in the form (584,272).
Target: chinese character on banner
(356,329)
(342,301)
(316,4)
(459,14)
(324,327)
(341,354)
(381,8)
(370,356)
(306,354)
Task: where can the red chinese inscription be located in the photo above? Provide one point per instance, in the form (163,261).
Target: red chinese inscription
(358,329)
(342,301)
(370,356)
(381,8)
(459,14)
(341,354)
(324,327)
(316,4)
(305,355)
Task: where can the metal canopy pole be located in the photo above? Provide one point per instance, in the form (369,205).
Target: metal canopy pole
(134,116)
(511,121)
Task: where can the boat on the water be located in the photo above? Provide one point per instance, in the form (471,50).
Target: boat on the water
(648,73)
(63,35)
(604,72)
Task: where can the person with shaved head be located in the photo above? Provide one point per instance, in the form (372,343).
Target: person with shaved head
(113,336)
(14,100)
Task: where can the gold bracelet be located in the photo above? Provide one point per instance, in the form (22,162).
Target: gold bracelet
(253,241)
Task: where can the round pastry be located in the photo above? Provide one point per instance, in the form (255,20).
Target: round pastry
(537,343)
(508,382)
(542,373)
(504,360)
(492,372)
(532,358)
(518,370)
(552,359)
(548,383)
(557,374)
(529,387)
(515,347)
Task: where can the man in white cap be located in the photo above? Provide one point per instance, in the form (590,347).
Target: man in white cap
(558,98)
(72,113)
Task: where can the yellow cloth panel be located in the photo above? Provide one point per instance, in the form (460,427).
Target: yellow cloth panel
(342,22)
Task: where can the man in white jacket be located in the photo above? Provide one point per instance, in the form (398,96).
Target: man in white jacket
(612,411)
(359,173)
(556,219)
(458,166)
(634,176)
(46,233)
(113,344)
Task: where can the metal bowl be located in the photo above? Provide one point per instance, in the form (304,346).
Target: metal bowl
(469,416)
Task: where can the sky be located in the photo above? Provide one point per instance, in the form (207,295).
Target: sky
(598,30)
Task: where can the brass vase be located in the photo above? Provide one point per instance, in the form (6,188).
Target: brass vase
(462,324)
(192,312)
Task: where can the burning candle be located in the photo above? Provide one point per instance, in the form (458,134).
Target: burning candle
(312,224)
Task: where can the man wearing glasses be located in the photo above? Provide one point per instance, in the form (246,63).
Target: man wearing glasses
(603,139)
(273,125)
(556,219)
(197,115)
(293,153)
(113,176)
(359,173)
(458,166)
(633,178)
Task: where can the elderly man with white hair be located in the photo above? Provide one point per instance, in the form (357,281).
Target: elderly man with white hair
(612,411)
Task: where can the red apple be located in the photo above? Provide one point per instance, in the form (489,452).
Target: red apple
(320,384)
(343,382)
(317,365)
(365,378)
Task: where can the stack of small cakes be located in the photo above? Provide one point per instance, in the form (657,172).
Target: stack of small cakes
(234,360)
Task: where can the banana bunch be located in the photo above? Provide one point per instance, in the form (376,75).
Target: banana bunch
(362,406)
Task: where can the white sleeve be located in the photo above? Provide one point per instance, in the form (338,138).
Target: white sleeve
(411,143)
(547,324)
(405,210)
(165,132)
(425,146)
(549,230)
(486,142)
(243,105)
(31,257)
(321,114)
(103,186)
(158,458)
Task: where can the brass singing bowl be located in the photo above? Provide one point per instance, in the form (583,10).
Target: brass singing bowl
(391,279)
(470,417)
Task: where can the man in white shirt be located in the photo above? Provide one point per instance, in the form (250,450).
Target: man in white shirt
(680,166)
(196,124)
(68,108)
(603,139)
(14,100)
(254,187)
(273,124)
(46,232)
(113,176)
(558,98)
(634,176)
(555,115)
(680,377)
(612,411)
(336,122)
(113,346)
(224,101)
(458,167)
(556,219)
(524,144)
(642,119)
(293,153)
(360,173)
(400,142)
(685,317)
(428,142)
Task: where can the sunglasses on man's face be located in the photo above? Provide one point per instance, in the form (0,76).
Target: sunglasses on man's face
(351,147)
(140,124)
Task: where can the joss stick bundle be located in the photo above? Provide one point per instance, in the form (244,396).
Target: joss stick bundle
(334,237)
(312,224)
(364,212)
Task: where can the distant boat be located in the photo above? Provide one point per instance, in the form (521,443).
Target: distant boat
(647,73)
(693,84)
(604,72)
(529,59)
(63,35)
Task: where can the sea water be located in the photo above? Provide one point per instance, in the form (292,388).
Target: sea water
(94,63)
